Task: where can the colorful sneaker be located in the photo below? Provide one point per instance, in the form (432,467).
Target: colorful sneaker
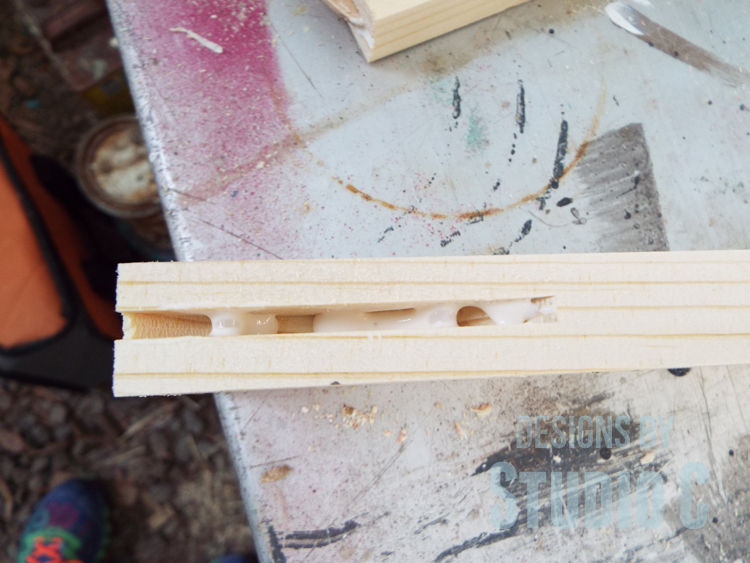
(69,525)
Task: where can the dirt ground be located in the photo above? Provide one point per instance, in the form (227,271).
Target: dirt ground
(164,461)
(33,96)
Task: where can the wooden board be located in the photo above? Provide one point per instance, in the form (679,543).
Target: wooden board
(618,311)
(384,27)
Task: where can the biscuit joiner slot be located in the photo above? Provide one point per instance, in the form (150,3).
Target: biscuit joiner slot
(241,322)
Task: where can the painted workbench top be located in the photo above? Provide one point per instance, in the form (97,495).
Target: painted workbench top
(557,126)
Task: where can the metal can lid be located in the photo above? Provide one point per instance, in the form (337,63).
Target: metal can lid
(114,171)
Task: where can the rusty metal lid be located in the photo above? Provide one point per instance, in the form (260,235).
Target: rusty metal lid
(113,169)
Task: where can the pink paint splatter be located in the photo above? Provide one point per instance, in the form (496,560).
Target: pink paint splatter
(218,119)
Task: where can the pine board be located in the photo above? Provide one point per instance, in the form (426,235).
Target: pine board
(385,27)
(616,311)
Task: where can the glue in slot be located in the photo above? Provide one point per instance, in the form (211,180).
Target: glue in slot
(237,322)
(232,322)
(445,315)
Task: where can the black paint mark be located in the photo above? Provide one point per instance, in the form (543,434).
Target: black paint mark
(521,107)
(276,554)
(551,31)
(477,218)
(456,100)
(496,186)
(525,230)
(562,149)
(679,372)
(447,241)
(482,540)
(564,201)
(743,107)
(441,520)
(605,452)
(558,168)
(615,99)
(525,456)
(319,538)
(388,230)
(618,173)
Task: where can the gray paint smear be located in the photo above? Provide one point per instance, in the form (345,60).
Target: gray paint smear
(620,201)
(659,37)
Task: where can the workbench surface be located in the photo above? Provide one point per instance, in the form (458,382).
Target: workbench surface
(545,129)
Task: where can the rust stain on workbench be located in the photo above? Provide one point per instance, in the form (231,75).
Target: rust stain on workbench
(467,215)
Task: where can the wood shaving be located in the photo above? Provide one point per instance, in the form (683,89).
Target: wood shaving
(482,410)
(208,44)
(354,418)
(275,474)
(402,435)
(459,430)
(387,433)
(648,458)
(305,410)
